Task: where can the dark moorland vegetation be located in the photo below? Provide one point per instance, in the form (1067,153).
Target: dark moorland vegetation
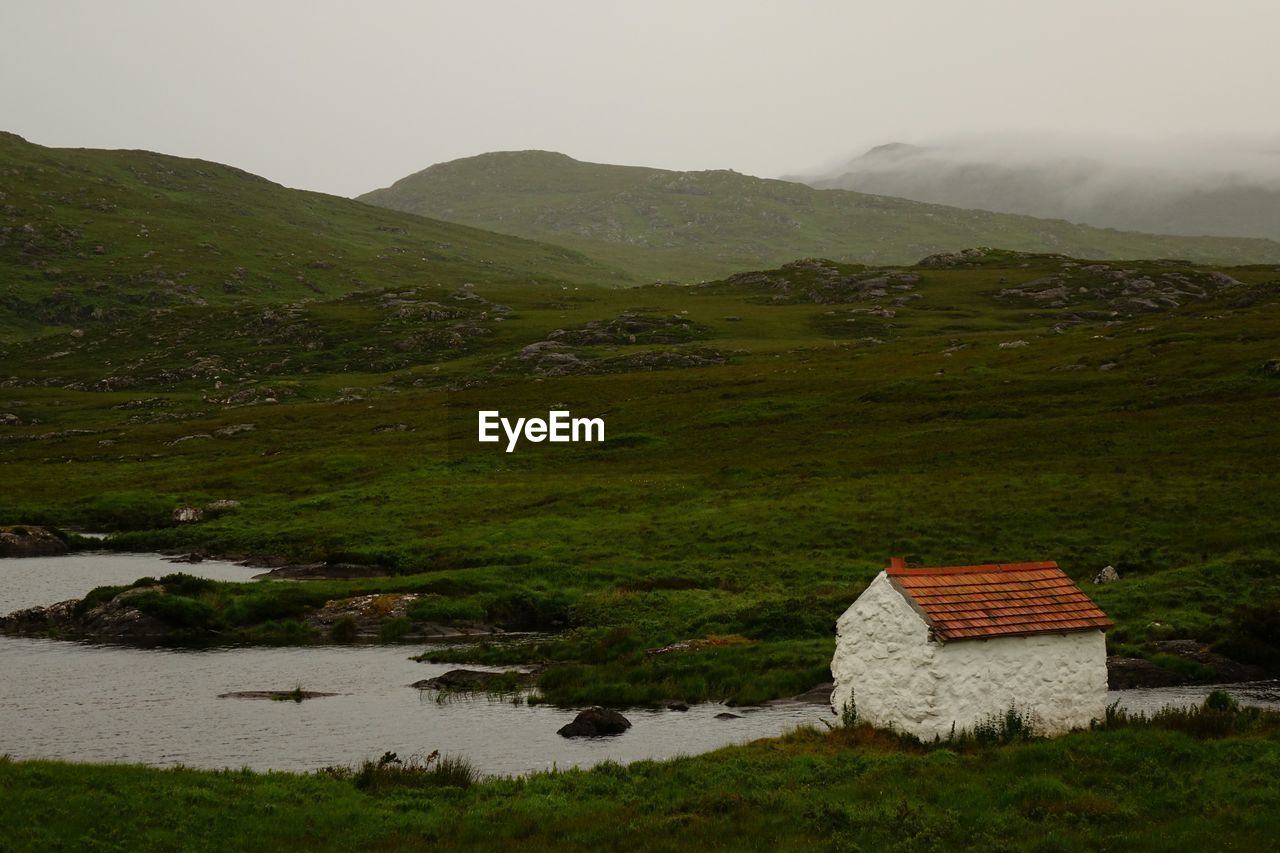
(1104,431)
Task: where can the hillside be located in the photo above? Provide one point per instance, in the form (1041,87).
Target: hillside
(1156,199)
(87,236)
(688,225)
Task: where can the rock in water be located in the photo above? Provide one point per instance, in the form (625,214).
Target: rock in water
(1107,575)
(595,722)
(23,541)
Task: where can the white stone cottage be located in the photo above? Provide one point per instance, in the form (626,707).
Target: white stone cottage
(926,649)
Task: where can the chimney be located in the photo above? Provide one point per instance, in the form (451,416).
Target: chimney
(897,563)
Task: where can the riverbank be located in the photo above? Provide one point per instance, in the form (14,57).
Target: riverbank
(1190,782)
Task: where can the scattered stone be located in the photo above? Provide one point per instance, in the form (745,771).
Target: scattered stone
(1013,344)
(595,722)
(233,429)
(221,505)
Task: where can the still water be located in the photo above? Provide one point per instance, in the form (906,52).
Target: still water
(159,706)
(85,702)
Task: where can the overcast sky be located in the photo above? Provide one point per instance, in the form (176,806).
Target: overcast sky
(346,97)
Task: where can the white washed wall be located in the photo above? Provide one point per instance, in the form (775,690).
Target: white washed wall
(900,679)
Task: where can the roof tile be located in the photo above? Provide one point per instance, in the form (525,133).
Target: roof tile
(998,599)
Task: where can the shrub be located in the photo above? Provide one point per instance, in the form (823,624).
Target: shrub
(527,611)
(176,611)
(97,596)
(287,632)
(390,771)
(269,602)
(446,610)
(128,510)
(182,583)
(343,630)
(394,630)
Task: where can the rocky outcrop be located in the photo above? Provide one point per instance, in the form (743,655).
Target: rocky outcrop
(1127,673)
(366,618)
(27,541)
(1120,291)
(632,327)
(824,282)
(472,680)
(595,722)
(116,620)
(1124,673)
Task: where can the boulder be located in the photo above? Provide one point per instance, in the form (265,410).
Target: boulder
(1108,574)
(188,514)
(24,541)
(595,722)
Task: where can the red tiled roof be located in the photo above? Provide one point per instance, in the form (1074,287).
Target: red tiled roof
(997,600)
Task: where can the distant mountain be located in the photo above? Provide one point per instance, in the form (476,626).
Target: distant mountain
(1222,199)
(661,224)
(90,235)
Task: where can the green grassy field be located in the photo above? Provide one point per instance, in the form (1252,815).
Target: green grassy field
(751,496)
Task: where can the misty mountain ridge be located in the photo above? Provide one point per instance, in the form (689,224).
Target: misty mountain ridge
(1159,190)
(664,224)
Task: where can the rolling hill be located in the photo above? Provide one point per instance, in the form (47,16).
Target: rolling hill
(661,224)
(88,235)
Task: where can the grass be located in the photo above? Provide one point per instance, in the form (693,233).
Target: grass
(1192,778)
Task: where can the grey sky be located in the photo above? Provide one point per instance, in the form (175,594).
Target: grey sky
(345,97)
